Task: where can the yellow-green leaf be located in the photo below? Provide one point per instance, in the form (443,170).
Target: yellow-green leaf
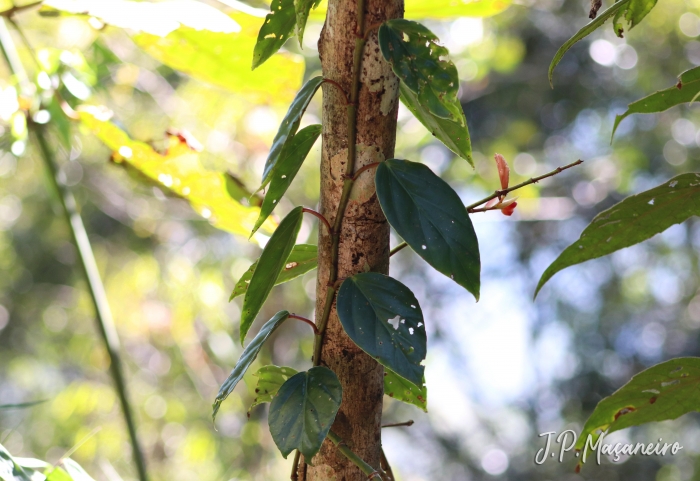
(270,380)
(399,388)
(178,171)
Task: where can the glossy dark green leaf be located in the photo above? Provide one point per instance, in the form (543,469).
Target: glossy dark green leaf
(275,31)
(270,380)
(302,259)
(271,262)
(665,391)
(289,127)
(584,32)
(303,8)
(399,388)
(293,155)
(635,219)
(455,135)
(431,218)
(686,90)
(247,357)
(383,318)
(302,412)
(419,62)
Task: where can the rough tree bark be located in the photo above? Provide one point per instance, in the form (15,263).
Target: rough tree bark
(364,238)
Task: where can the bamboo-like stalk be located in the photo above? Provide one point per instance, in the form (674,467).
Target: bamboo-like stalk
(105,322)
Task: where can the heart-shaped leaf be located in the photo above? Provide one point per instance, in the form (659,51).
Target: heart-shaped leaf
(455,135)
(303,8)
(383,318)
(665,391)
(302,412)
(398,388)
(289,127)
(271,262)
(635,219)
(247,357)
(302,259)
(431,218)
(418,60)
(275,31)
(289,163)
(270,380)
(585,32)
(686,90)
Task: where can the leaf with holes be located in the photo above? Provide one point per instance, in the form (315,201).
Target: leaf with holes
(383,318)
(399,388)
(270,380)
(665,391)
(634,220)
(686,90)
(293,155)
(303,8)
(247,357)
(302,259)
(455,135)
(584,32)
(431,218)
(276,29)
(420,62)
(177,171)
(289,127)
(271,262)
(302,412)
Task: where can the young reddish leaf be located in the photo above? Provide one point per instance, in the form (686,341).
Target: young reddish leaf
(503,171)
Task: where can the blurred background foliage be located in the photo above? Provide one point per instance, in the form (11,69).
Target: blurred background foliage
(498,372)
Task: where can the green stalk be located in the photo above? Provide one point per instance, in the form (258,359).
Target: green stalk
(358,461)
(104,319)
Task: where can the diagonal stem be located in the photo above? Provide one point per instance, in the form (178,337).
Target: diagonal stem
(358,461)
(75,223)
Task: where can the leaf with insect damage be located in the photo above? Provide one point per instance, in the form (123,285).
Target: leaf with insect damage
(276,29)
(270,380)
(399,388)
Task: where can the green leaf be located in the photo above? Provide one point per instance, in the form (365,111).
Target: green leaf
(247,357)
(584,32)
(686,90)
(302,412)
(270,380)
(199,41)
(289,127)
(76,471)
(302,259)
(271,262)
(10,470)
(292,156)
(429,215)
(383,317)
(665,391)
(275,30)
(58,474)
(455,135)
(178,172)
(417,59)
(636,11)
(635,219)
(303,8)
(399,388)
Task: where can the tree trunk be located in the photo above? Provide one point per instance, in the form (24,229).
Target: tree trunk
(364,238)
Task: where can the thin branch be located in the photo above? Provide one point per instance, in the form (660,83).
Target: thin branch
(295,466)
(320,216)
(372,27)
(72,217)
(408,423)
(342,90)
(384,464)
(354,458)
(473,208)
(15,9)
(77,445)
(362,169)
(307,321)
(534,180)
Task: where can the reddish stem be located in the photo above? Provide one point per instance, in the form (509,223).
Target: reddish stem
(303,319)
(323,219)
(333,82)
(362,169)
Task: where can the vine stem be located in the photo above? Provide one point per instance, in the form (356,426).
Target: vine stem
(360,42)
(307,321)
(319,216)
(472,208)
(358,461)
(96,288)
